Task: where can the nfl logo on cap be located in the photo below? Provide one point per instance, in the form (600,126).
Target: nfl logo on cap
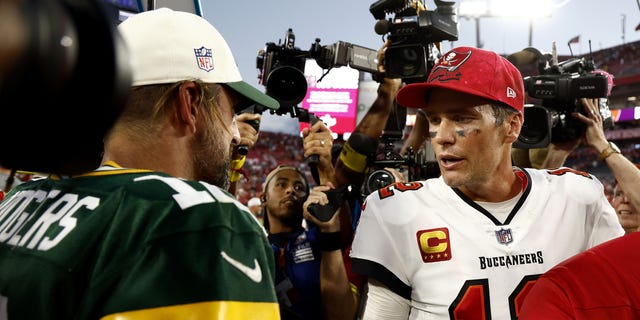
(204,58)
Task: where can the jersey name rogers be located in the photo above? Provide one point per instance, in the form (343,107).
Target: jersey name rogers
(511,260)
(40,235)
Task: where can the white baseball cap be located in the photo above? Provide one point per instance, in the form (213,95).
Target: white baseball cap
(167,46)
(255,201)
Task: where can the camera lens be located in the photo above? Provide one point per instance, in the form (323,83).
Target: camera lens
(536,130)
(406,61)
(287,84)
(378,179)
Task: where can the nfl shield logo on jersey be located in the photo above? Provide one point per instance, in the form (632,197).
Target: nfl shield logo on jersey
(504,236)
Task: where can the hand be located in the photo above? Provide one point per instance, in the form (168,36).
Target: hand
(388,85)
(318,140)
(317,196)
(397,175)
(594,134)
(248,126)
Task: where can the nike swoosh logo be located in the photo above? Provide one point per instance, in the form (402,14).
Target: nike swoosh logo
(255,274)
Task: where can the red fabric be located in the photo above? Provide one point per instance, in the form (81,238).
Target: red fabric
(600,283)
(473,71)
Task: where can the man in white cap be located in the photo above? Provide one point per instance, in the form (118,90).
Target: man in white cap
(470,243)
(152,233)
(255,206)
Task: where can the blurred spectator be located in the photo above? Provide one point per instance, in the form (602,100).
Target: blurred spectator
(628,214)
(255,206)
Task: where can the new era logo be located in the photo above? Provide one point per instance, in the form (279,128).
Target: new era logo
(511,93)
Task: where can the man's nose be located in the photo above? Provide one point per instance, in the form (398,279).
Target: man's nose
(443,133)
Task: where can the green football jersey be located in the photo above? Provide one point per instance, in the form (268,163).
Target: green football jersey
(131,244)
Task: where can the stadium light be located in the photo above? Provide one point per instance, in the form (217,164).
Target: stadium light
(530,9)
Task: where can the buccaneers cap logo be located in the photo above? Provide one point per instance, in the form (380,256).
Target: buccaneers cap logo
(448,65)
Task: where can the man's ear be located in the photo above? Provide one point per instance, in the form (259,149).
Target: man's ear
(514,126)
(189,97)
(263,198)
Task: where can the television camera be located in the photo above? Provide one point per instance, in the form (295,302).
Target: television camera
(281,66)
(378,175)
(558,88)
(413,32)
(414,162)
(49,56)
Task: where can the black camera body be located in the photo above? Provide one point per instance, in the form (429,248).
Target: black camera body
(342,54)
(61,77)
(413,32)
(415,163)
(281,71)
(558,87)
(282,66)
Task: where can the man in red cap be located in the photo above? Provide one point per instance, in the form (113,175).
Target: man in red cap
(470,243)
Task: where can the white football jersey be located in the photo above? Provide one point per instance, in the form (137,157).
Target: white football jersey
(431,244)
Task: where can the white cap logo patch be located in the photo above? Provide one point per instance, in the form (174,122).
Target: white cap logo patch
(511,93)
(204,58)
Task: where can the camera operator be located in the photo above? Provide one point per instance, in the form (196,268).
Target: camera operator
(625,172)
(570,290)
(311,276)
(339,287)
(556,153)
(614,293)
(362,145)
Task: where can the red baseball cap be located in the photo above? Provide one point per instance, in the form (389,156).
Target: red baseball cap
(473,71)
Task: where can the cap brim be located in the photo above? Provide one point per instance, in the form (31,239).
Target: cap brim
(415,95)
(253,95)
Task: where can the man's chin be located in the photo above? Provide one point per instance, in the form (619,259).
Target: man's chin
(452,179)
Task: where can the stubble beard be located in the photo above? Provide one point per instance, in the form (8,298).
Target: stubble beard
(211,159)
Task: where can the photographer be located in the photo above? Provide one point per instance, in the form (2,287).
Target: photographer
(624,171)
(309,267)
(426,247)
(339,287)
(362,145)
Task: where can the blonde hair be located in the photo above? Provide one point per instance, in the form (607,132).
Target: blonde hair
(147,104)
